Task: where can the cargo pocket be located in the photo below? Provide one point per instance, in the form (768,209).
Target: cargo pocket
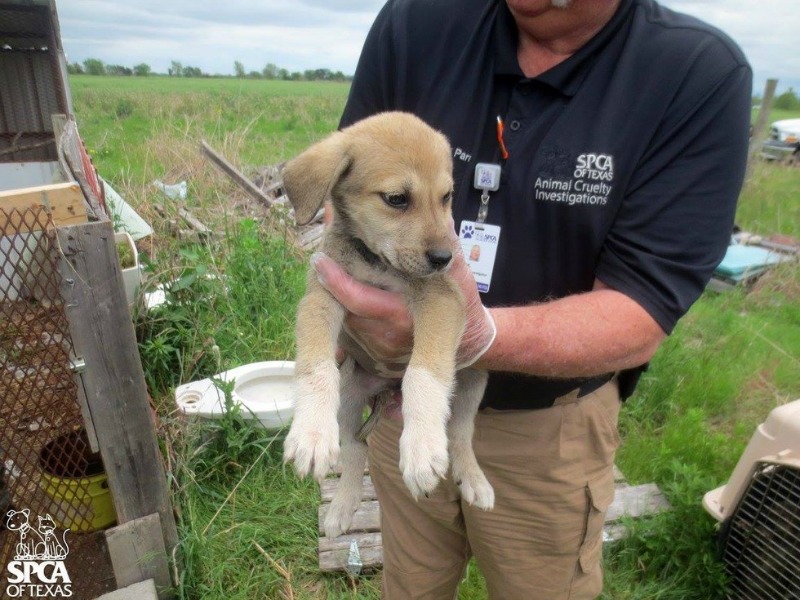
(600,495)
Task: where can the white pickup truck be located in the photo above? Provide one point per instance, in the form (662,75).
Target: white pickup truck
(783,141)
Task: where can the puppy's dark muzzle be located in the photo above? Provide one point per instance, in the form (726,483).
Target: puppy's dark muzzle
(439,259)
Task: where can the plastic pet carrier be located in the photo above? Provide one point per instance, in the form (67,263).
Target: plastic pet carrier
(759,509)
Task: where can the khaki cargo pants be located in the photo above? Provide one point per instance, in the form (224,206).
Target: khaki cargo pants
(552,472)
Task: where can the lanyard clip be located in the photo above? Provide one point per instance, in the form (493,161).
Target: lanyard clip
(487,179)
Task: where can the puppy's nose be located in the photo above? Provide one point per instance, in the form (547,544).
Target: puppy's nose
(439,259)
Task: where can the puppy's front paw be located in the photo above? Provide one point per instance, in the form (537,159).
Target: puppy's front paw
(313,444)
(423,458)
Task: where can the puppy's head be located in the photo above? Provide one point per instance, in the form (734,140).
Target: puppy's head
(390,179)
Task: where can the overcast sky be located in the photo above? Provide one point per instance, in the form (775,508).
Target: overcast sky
(309,34)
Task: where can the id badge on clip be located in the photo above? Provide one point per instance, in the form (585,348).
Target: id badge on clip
(478,239)
(479,243)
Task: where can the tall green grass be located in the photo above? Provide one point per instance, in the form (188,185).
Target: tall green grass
(248,527)
(769,203)
(247,524)
(239,538)
(141,129)
(228,302)
(730,361)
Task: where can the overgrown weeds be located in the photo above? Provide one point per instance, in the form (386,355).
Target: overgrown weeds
(671,556)
(248,525)
(225,304)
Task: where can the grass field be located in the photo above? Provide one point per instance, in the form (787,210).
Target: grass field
(247,525)
(778,114)
(124,119)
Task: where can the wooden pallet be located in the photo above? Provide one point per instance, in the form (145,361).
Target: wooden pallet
(629,501)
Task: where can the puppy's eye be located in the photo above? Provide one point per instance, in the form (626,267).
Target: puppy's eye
(395,200)
(447,197)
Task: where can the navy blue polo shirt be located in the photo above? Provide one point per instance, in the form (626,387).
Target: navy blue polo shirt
(625,160)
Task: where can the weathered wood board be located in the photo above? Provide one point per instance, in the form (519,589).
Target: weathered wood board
(138,553)
(64,202)
(113,380)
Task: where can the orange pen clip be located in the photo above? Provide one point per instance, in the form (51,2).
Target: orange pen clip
(500,129)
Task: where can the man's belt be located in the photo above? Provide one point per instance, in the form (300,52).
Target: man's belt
(594,384)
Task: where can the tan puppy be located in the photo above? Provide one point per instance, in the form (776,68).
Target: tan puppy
(389,178)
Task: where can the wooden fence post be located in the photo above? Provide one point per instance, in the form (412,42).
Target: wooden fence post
(760,127)
(104,339)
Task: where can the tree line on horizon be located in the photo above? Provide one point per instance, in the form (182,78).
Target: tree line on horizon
(95,66)
(788,100)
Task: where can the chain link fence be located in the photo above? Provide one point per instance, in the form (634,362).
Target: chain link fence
(50,476)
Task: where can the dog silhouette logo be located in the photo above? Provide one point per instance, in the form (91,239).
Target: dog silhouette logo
(36,543)
(37,569)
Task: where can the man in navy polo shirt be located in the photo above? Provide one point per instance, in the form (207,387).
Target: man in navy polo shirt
(599,147)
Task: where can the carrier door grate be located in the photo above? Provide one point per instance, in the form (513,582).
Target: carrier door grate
(762,548)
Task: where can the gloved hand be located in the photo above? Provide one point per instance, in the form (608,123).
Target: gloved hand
(380,320)
(479,330)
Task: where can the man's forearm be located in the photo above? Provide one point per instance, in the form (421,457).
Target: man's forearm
(582,335)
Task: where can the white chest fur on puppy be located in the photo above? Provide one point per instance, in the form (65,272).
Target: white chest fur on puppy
(389,178)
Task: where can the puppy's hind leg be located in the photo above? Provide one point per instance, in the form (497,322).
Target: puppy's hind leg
(353,454)
(467,474)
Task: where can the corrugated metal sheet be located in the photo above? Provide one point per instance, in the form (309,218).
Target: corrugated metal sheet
(32,81)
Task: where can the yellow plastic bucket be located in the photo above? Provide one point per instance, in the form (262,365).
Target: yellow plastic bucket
(73,477)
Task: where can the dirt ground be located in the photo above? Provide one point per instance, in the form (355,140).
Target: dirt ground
(89,566)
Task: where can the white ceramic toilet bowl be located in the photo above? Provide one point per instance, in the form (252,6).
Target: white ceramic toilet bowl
(264,390)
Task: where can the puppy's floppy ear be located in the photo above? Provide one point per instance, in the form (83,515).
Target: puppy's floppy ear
(309,177)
